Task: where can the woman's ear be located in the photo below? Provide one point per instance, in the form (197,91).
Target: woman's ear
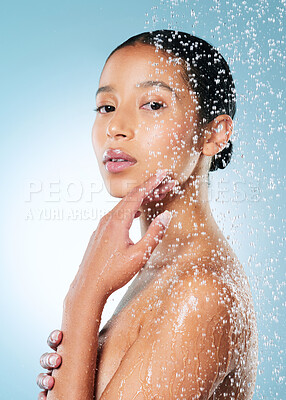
(217,134)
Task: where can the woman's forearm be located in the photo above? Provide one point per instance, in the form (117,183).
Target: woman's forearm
(74,380)
(110,261)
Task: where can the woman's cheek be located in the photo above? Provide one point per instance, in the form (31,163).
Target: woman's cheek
(168,145)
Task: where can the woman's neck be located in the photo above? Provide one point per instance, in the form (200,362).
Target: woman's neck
(192,227)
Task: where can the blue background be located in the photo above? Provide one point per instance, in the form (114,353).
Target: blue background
(52,194)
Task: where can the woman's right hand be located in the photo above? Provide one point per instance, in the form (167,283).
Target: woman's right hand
(49,361)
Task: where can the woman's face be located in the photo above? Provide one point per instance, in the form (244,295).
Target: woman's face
(155,123)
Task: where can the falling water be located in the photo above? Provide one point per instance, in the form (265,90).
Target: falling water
(247,197)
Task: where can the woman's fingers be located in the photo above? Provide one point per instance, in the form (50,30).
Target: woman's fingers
(130,204)
(160,192)
(155,232)
(50,360)
(45,381)
(55,339)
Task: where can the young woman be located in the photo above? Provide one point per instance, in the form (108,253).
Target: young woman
(186,327)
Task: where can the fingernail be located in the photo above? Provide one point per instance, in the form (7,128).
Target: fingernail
(169,185)
(165,218)
(53,360)
(54,336)
(46,382)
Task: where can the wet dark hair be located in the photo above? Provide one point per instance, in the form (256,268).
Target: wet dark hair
(205,71)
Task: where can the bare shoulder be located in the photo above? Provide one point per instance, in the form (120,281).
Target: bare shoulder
(197,304)
(212,305)
(202,298)
(190,344)
(207,287)
(185,349)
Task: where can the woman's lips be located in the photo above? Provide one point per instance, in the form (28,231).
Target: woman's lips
(116,160)
(118,166)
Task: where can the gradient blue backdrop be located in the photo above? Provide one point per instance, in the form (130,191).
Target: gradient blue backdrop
(52,193)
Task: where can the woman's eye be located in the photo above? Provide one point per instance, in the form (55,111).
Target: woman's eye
(152,105)
(155,105)
(104,109)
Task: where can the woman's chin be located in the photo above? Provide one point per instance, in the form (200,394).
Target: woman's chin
(120,188)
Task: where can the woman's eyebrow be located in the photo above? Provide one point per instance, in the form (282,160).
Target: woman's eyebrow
(145,84)
(104,89)
(161,84)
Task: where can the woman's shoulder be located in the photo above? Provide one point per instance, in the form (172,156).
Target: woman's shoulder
(213,299)
(197,313)
(213,290)
(202,286)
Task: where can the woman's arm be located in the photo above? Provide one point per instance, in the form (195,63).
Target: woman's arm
(78,350)
(110,261)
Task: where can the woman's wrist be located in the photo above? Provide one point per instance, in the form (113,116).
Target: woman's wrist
(80,310)
(85,294)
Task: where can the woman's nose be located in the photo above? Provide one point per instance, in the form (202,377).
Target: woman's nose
(120,127)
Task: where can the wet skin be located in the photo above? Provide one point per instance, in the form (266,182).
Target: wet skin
(193,261)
